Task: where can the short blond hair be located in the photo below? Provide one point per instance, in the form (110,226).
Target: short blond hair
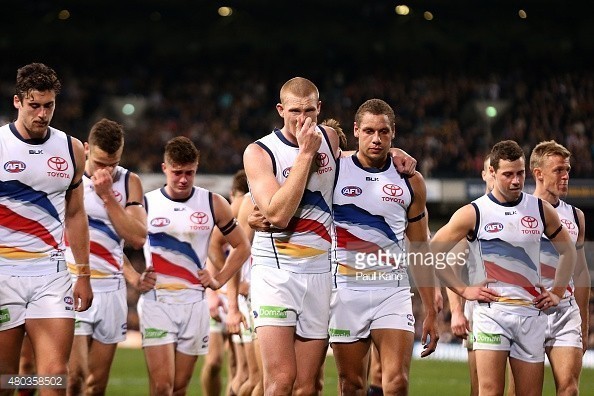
(299,86)
(546,149)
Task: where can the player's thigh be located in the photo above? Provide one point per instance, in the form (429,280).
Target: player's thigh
(100,359)
(10,348)
(566,363)
(160,362)
(277,350)
(352,359)
(528,377)
(490,365)
(395,348)
(52,342)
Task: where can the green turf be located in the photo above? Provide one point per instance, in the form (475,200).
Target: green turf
(427,377)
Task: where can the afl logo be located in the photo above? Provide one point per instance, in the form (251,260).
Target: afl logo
(286,172)
(529,222)
(351,191)
(322,160)
(494,227)
(160,222)
(568,224)
(57,163)
(14,166)
(199,218)
(393,190)
(68,300)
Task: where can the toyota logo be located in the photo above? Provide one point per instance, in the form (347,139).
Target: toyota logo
(199,218)
(117,195)
(58,164)
(568,224)
(392,190)
(322,160)
(529,222)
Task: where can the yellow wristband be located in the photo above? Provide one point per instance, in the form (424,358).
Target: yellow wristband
(83,270)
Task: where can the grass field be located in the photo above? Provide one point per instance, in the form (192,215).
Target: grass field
(428,377)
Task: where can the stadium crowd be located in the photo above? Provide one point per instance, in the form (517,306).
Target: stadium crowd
(439,116)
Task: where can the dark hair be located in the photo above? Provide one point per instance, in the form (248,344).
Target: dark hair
(107,135)
(507,150)
(342,139)
(240,183)
(180,151)
(376,107)
(36,77)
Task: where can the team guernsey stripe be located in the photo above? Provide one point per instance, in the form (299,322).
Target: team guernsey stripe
(100,251)
(314,198)
(13,253)
(307,225)
(501,248)
(350,242)
(164,266)
(168,242)
(513,278)
(15,190)
(351,214)
(16,222)
(104,228)
(295,250)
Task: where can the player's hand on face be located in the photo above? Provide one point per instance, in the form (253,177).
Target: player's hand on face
(308,138)
(102,181)
(546,299)
(208,280)
(481,292)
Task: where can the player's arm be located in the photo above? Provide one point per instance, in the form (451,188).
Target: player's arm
(246,208)
(424,275)
(460,226)
(77,229)
(239,253)
(403,161)
(129,222)
(458,323)
(279,203)
(581,279)
(141,282)
(567,256)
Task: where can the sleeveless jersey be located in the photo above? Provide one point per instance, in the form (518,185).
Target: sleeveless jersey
(34,178)
(506,247)
(370,218)
(177,245)
(304,246)
(107,247)
(549,258)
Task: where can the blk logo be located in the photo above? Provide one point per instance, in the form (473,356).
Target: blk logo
(57,163)
(529,222)
(14,166)
(393,190)
(322,160)
(199,218)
